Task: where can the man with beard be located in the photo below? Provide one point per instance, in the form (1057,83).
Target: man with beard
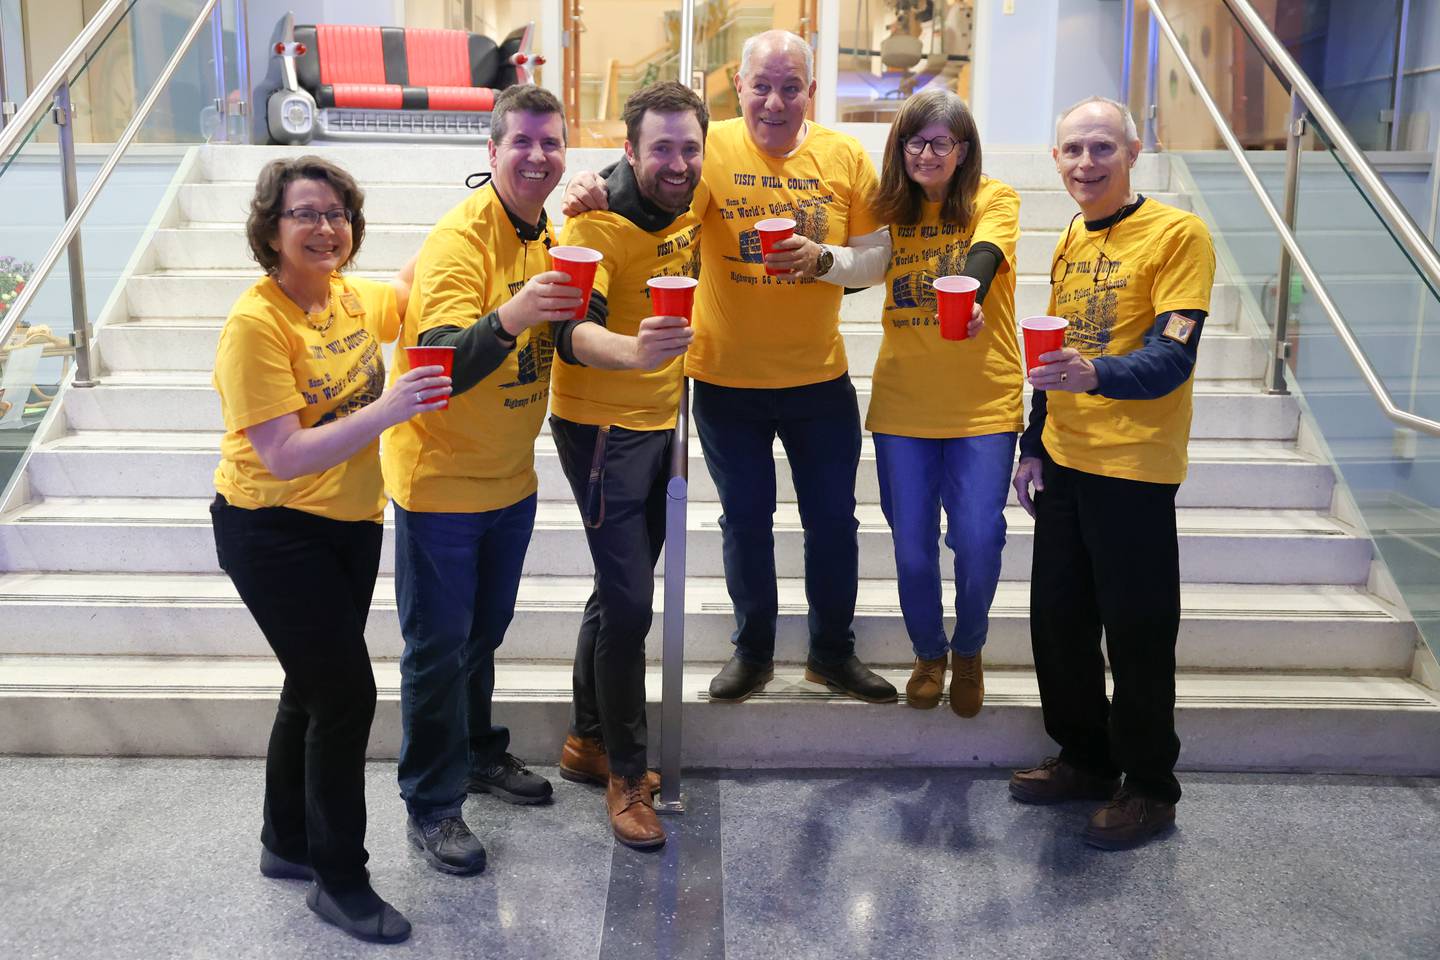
(768,360)
(463,480)
(614,432)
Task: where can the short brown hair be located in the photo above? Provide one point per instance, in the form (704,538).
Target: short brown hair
(899,199)
(667,96)
(266,207)
(525,97)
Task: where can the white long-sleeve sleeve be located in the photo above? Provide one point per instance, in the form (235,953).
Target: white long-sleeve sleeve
(862,262)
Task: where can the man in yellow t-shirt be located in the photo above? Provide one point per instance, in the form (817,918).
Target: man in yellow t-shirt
(1105,453)
(614,431)
(768,360)
(463,479)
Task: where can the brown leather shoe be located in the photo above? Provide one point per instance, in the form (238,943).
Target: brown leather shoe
(927,682)
(967,685)
(1128,821)
(632,819)
(583,760)
(1056,781)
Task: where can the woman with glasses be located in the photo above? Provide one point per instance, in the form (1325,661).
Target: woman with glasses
(298,513)
(945,414)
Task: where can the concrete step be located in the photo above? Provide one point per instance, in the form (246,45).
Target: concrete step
(1224,626)
(172,535)
(185,400)
(432,164)
(117,463)
(184,707)
(180,344)
(190,294)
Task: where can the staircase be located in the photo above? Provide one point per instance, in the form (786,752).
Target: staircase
(122,637)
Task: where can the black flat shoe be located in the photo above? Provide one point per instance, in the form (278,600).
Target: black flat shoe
(276,867)
(384,924)
(738,680)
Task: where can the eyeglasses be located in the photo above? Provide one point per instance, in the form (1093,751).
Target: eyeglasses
(940,146)
(1104,266)
(310,217)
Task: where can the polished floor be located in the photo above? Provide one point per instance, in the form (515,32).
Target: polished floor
(118,859)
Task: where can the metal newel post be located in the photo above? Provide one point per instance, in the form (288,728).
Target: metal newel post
(70,192)
(242,70)
(1279,343)
(1152,82)
(222,99)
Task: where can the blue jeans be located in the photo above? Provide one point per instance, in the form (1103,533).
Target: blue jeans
(819,425)
(456,577)
(970,477)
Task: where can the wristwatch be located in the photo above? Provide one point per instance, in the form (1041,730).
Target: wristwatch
(824,262)
(498,328)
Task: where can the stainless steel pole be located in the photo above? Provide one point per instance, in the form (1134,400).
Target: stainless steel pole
(1152,83)
(70,191)
(6,107)
(1127,51)
(242,71)
(222,98)
(1279,341)
(1397,91)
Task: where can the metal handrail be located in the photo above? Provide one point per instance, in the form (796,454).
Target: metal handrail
(77,216)
(1317,287)
(1402,227)
(39,102)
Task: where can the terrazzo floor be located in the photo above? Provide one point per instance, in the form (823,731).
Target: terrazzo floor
(121,858)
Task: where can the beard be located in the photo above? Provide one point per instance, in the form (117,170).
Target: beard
(664,195)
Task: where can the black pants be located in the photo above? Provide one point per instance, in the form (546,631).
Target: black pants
(609,684)
(1107,557)
(819,426)
(308,580)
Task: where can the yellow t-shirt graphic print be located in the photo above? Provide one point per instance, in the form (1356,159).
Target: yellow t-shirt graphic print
(1111,284)
(479,455)
(753,329)
(633,399)
(924,385)
(271,361)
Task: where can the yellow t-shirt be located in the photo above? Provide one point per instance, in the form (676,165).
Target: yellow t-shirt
(1155,260)
(752,329)
(633,399)
(479,454)
(271,361)
(926,386)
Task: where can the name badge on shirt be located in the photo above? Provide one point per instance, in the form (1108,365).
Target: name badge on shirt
(1179,328)
(351,303)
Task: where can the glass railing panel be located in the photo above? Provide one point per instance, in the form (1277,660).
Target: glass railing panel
(1393,473)
(31,193)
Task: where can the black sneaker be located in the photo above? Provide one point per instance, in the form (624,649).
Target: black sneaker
(511,781)
(852,678)
(739,680)
(447,844)
(373,921)
(276,867)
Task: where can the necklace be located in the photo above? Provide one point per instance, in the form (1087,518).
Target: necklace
(318,320)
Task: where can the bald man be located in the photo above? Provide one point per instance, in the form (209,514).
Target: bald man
(1104,454)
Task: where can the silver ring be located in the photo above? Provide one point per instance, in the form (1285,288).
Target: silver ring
(420,399)
(1063,376)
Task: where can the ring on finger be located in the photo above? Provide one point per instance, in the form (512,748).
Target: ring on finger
(1063,376)
(418,398)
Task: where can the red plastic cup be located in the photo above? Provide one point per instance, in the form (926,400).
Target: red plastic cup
(772,231)
(955,297)
(580,263)
(433,357)
(672,296)
(1042,335)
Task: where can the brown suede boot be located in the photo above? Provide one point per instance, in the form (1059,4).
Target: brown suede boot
(967,685)
(1128,821)
(927,682)
(632,819)
(583,760)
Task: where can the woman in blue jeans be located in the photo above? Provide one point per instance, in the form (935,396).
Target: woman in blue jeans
(945,413)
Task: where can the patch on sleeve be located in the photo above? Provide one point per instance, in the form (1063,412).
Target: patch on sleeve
(1180,328)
